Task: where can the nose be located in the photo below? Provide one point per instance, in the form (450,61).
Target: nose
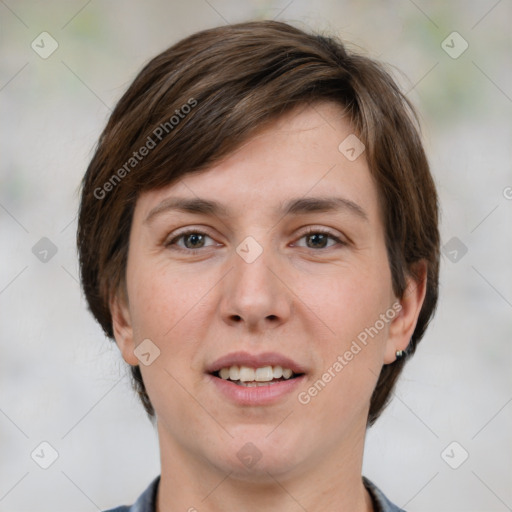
(255,293)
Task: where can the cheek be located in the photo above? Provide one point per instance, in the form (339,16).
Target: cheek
(348,302)
(168,307)
(164,307)
(351,359)
(162,298)
(354,308)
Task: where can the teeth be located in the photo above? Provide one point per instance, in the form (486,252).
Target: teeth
(254,384)
(254,376)
(246,374)
(278,372)
(234,373)
(264,374)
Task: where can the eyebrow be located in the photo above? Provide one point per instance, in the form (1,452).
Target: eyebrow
(297,206)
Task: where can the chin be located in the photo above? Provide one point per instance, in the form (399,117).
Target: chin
(257,455)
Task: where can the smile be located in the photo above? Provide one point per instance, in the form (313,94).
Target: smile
(252,377)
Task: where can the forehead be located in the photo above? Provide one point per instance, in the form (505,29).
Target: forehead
(295,156)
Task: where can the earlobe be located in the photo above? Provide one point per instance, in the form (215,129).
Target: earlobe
(122,328)
(402,327)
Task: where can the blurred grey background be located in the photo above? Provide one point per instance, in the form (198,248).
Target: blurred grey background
(443,444)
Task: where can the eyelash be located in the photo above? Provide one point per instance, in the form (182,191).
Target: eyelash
(309,232)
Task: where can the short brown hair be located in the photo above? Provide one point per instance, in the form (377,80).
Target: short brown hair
(235,79)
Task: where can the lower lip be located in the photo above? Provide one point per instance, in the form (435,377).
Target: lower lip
(256,395)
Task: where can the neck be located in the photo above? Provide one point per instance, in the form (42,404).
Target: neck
(331,482)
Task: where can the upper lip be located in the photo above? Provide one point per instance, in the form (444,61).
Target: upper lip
(254,361)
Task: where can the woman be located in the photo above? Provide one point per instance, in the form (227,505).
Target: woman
(258,232)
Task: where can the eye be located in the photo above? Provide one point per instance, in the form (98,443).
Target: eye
(193,240)
(319,238)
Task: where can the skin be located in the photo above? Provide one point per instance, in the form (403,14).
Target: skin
(304,297)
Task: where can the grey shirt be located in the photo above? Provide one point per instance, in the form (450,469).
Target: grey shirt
(147,500)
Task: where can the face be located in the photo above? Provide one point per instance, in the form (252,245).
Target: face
(288,270)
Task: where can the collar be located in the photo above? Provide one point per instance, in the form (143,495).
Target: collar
(147,500)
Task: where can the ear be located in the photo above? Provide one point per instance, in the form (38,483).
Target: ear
(403,325)
(122,327)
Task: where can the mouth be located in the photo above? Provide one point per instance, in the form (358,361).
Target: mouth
(255,377)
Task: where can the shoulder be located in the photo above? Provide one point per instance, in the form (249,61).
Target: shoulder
(380,502)
(146,502)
